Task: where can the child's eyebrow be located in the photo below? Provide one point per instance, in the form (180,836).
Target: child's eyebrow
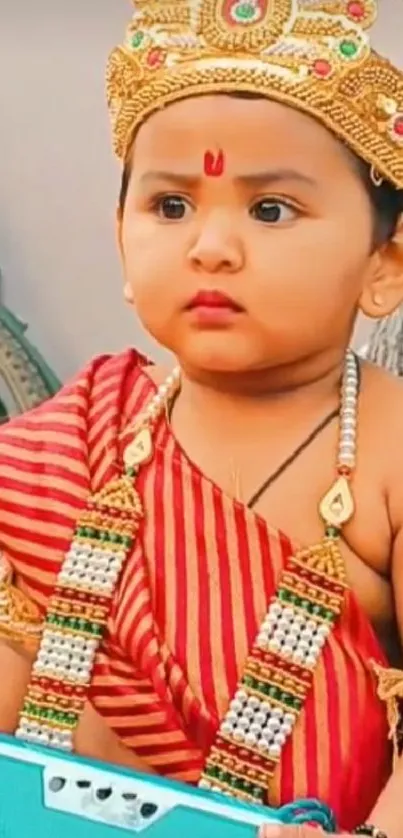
(272,176)
(249,179)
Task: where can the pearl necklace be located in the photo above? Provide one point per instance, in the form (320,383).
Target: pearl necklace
(348,412)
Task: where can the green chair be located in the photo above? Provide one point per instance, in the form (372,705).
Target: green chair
(25,378)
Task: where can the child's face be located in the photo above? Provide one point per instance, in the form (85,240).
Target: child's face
(284,229)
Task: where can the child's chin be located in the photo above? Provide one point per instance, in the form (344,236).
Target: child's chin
(221,355)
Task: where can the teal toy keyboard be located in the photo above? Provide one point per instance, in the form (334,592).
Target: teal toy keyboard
(52,795)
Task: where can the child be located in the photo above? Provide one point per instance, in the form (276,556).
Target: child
(203,569)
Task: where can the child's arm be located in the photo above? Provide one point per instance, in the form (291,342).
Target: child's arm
(93,738)
(388,812)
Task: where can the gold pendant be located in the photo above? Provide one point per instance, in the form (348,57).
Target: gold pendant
(140,450)
(337,507)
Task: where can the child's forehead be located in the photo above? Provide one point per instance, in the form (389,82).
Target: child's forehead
(254,131)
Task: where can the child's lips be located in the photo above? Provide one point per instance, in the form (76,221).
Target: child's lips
(214,300)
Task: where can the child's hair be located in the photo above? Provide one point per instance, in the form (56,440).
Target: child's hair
(386,200)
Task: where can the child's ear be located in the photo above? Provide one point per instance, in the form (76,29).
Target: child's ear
(383,291)
(127,289)
(128,294)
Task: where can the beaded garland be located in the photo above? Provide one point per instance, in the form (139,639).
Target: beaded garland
(280,668)
(81,601)
(279,671)
(77,615)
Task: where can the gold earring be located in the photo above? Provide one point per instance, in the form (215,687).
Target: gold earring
(376,177)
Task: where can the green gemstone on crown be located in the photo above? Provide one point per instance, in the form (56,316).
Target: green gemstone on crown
(137,40)
(348,49)
(245,12)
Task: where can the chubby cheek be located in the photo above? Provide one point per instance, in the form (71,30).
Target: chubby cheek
(152,268)
(154,305)
(300,291)
(321,274)
(154,301)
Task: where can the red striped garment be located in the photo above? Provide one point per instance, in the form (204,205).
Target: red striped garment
(190,599)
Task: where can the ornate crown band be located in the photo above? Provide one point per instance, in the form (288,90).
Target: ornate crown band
(314,55)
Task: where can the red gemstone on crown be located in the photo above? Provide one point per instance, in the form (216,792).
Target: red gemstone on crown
(155,58)
(322,68)
(356,10)
(398,126)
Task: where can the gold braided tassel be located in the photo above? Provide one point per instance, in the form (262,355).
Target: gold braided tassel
(20,619)
(390,690)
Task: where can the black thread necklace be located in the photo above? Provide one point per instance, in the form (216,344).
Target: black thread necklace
(292,457)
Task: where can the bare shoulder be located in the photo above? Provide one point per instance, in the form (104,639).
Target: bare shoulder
(381,420)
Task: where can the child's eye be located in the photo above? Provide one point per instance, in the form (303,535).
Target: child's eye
(171,207)
(271,211)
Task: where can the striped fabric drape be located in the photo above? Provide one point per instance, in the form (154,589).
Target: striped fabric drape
(189,600)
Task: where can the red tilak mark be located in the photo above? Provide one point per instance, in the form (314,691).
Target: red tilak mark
(214,164)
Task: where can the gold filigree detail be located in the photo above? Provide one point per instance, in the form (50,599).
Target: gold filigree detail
(324,560)
(390,690)
(118,494)
(314,56)
(252,38)
(20,619)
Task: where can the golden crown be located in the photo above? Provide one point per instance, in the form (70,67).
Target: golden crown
(314,55)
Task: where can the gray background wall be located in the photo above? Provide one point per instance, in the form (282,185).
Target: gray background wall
(58,178)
